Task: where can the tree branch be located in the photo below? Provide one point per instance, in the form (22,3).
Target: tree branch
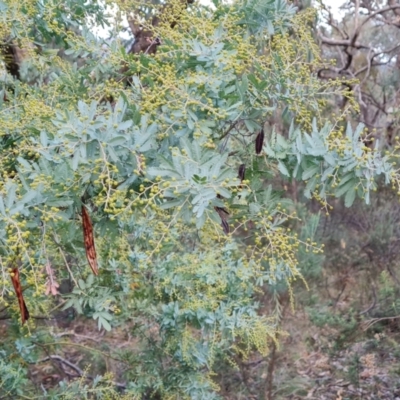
(79,371)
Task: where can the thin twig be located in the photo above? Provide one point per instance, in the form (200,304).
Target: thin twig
(373,302)
(79,371)
(373,321)
(72,333)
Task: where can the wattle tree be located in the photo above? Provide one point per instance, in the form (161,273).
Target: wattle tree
(143,187)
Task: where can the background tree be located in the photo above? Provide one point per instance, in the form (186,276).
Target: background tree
(364,45)
(349,318)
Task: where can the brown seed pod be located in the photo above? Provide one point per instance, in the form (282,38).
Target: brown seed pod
(241,172)
(223,214)
(259,141)
(18,291)
(89,241)
(225,226)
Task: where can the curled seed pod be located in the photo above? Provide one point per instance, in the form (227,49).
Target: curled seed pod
(223,214)
(225,226)
(18,291)
(89,241)
(259,141)
(241,172)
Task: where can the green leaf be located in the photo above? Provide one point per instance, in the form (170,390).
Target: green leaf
(25,163)
(310,172)
(123,126)
(11,194)
(75,160)
(310,187)
(59,203)
(349,198)
(342,189)
(282,168)
(328,157)
(2,209)
(117,140)
(28,197)
(103,323)
(43,138)
(200,221)
(205,195)
(172,203)
(254,208)
(224,192)
(82,284)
